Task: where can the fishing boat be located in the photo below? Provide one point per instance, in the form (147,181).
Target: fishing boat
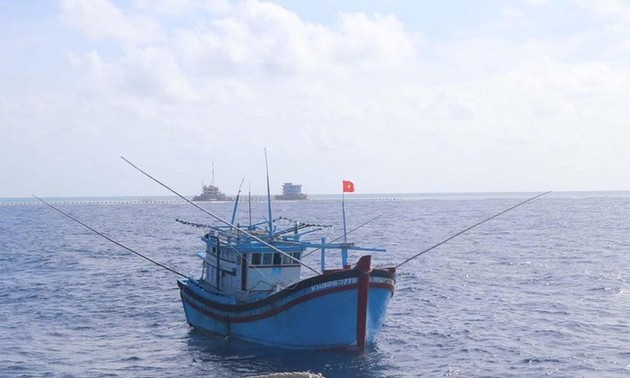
(250,288)
(251,285)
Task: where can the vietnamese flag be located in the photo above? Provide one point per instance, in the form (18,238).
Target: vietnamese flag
(348,186)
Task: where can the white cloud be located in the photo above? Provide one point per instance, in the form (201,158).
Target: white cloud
(265,60)
(614,16)
(364,97)
(365,42)
(511,12)
(263,38)
(179,7)
(612,9)
(102,19)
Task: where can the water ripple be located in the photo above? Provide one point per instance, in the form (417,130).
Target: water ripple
(541,291)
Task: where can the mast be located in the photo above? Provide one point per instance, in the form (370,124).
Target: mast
(236,202)
(249,199)
(269,198)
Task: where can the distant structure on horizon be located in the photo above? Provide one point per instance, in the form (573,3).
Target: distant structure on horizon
(211,192)
(291,192)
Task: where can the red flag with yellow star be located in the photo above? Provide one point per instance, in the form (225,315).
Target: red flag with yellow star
(348,186)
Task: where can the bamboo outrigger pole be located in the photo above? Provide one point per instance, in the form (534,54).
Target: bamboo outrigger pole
(110,239)
(339,237)
(470,228)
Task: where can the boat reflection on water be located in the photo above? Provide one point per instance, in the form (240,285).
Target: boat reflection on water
(228,357)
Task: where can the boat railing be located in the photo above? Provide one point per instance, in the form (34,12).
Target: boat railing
(343,247)
(250,242)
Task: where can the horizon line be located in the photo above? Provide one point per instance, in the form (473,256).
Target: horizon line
(349,195)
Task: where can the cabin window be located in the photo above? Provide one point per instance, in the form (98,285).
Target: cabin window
(277,259)
(255,258)
(267,258)
(286,260)
(296,255)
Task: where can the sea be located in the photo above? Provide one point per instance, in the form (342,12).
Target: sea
(540,291)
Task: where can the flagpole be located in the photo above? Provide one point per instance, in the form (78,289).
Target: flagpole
(343,211)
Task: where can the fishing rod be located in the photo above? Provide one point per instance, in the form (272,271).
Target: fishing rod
(108,238)
(221,219)
(337,238)
(470,228)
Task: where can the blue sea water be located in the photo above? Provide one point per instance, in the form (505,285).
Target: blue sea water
(540,291)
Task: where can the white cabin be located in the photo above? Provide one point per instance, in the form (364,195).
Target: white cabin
(257,268)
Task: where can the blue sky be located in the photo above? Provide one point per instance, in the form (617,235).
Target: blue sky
(397,96)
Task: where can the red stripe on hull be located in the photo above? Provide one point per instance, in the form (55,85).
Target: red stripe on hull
(286,306)
(381,285)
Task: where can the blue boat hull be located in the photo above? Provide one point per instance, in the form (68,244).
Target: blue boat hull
(340,310)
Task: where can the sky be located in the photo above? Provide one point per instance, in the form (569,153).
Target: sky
(398,96)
